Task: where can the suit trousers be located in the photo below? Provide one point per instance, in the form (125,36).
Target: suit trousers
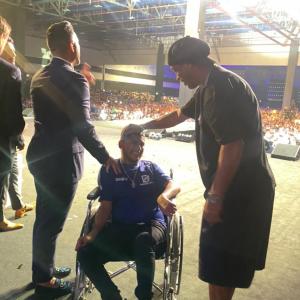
(54,199)
(119,242)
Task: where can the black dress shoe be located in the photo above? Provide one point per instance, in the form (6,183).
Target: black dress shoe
(58,289)
(61,272)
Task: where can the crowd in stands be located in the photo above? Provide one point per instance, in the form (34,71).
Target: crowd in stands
(119,105)
(279,126)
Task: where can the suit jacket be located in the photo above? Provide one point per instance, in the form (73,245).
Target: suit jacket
(61,104)
(11,120)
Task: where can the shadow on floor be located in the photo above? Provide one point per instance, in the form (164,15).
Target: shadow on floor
(27,293)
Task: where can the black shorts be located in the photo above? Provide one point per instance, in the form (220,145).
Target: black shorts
(224,269)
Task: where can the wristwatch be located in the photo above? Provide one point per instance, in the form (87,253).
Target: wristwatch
(213,198)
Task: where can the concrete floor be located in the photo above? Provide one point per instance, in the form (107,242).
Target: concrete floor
(279,281)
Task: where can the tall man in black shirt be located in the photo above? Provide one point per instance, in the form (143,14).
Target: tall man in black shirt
(233,165)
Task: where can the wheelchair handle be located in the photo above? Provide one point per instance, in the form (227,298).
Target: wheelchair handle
(94,194)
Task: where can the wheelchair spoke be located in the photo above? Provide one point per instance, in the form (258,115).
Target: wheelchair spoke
(83,286)
(180,256)
(176,254)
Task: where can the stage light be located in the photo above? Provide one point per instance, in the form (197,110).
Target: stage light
(277,7)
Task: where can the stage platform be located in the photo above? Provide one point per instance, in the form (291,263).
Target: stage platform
(279,281)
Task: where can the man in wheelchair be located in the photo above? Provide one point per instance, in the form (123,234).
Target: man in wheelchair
(136,202)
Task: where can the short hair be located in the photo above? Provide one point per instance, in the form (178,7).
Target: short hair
(5,28)
(59,35)
(131,130)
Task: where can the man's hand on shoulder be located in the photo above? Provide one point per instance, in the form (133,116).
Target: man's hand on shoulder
(112,163)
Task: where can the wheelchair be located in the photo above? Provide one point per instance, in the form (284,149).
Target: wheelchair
(172,257)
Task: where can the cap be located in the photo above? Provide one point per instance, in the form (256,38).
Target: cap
(131,130)
(188,50)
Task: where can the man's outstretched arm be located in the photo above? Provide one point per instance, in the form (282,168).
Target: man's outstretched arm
(172,119)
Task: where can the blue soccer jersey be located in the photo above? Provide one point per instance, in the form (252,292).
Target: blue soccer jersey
(134,192)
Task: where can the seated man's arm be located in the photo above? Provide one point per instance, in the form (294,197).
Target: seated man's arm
(164,200)
(106,182)
(102,215)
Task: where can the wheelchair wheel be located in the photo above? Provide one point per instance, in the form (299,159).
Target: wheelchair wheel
(83,286)
(173,260)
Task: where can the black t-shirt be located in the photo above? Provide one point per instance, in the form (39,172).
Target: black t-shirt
(226,110)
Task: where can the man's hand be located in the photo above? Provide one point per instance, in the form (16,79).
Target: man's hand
(20,146)
(18,142)
(167,206)
(113,164)
(212,212)
(83,241)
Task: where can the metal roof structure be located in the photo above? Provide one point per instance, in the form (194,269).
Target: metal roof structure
(144,23)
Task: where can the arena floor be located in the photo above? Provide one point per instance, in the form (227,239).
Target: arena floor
(279,281)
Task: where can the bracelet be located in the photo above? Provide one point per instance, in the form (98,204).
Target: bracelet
(213,198)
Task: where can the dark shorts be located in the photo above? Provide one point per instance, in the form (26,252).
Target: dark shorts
(224,269)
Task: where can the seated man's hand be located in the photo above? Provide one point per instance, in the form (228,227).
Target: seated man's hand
(83,241)
(167,206)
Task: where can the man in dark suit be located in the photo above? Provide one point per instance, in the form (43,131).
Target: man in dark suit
(61,103)
(11,119)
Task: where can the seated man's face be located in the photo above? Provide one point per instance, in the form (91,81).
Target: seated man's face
(132,148)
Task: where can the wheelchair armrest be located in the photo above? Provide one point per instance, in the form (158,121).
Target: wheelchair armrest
(94,194)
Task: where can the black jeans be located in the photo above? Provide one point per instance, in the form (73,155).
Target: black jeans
(118,242)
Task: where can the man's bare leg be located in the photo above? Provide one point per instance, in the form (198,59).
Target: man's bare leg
(217,292)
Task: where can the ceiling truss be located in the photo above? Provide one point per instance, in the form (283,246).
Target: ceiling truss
(153,21)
